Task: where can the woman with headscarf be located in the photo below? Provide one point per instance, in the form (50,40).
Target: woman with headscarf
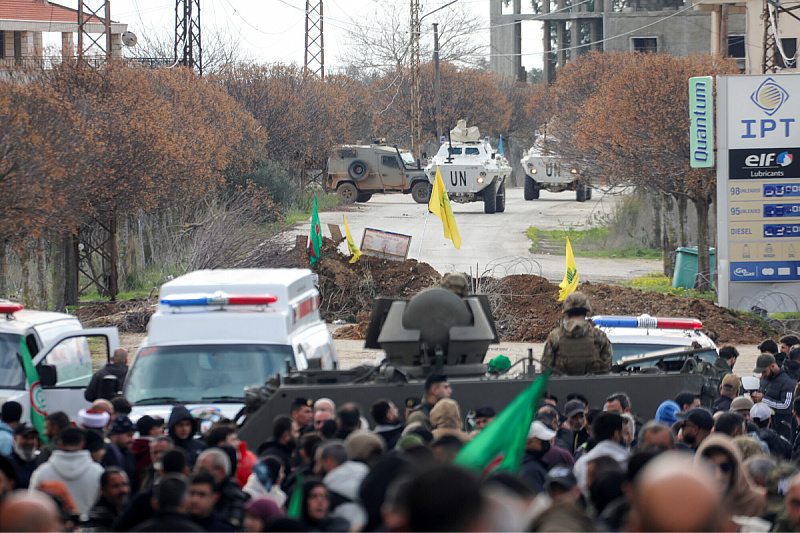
(724,457)
(258,512)
(446,420)
(265,481)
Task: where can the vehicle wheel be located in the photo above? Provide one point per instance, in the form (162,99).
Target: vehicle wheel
(501,198)
(347,192)
(363,197)
(580,193)
(358,169)
(588,192)
(490,198)
(531,192)
(421,192)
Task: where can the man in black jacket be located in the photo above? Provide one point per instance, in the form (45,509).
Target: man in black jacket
(182,428)
(776,392)
(118,367)
(534,468)
(114,491)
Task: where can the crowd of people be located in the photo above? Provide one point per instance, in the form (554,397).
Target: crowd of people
(686,467)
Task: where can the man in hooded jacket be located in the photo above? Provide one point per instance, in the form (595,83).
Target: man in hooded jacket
(182,428)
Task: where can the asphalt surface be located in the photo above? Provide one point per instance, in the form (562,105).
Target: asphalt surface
(494,245)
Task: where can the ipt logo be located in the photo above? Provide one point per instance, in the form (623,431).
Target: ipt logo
(37,399)
(769,96)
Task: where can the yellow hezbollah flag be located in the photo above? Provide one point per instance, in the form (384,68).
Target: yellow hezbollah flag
(570,282)
(350,244)
(439,205)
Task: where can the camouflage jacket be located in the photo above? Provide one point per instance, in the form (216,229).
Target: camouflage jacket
(577,347)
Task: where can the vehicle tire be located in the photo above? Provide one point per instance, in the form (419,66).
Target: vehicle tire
(531,192)
(490,198)
(358,169)
(421,192)
(363,197)
(347,192)
(580,193)
(501,198)
(588,192)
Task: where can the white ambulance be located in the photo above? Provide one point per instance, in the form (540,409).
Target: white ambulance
(216,332)
(60,351)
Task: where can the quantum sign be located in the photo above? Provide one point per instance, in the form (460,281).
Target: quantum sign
(701,116)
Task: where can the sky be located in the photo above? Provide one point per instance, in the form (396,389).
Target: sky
(274,30)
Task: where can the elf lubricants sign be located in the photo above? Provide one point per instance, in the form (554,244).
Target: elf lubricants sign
(758,187)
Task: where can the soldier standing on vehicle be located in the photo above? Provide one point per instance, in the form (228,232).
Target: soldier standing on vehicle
(576,347)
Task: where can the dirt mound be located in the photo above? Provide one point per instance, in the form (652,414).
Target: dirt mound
(525,307)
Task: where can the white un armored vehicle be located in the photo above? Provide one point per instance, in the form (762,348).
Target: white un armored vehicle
(471,170)
(543,170)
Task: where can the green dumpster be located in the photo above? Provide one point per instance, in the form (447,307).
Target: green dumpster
(686,267)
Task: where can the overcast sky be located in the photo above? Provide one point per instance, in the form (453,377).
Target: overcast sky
(274,30)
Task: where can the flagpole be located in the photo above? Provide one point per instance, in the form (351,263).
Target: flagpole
(423,234)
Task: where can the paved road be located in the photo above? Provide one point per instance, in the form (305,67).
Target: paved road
(495,244)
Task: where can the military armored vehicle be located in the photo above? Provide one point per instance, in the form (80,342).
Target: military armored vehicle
(438,331)
(546,171)
(472,171)
(356,172)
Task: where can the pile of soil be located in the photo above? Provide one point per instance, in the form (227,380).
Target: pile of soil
(525,307)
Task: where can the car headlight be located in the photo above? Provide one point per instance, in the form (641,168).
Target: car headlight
(574,171)
(480,180)
(534,170)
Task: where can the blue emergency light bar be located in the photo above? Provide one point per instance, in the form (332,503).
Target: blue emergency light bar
(646,321)
(218,298)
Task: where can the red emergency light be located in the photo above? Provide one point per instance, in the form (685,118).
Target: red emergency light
(8,308)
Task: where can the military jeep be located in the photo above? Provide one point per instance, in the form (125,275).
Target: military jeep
(356,172)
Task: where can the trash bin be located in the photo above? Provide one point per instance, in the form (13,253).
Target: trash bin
(686,267)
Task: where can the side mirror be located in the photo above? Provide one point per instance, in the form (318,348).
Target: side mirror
(48,376)
(109,387)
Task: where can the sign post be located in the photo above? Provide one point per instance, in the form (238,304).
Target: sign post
(701,114)
(758,191)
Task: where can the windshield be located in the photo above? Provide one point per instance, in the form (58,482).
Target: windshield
(624,350)
(191,374)
(11,374)
(408,159)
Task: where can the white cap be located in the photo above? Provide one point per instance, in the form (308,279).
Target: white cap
(760,411)
(540,431)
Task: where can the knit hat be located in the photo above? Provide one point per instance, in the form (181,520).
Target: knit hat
(264,508)
(122,424)
(92,418)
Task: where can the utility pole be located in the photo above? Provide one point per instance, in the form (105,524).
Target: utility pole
(437,82)
(188,42)
(314,61)
(95,14)
(416,97)
(768,64)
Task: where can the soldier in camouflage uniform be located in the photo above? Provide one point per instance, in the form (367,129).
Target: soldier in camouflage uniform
(576,347)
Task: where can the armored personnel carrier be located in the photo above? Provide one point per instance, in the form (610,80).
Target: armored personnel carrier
(546,171)
(472,171)
(437,331)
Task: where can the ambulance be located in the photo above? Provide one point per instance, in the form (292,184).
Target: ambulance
(60,359)
(216,333)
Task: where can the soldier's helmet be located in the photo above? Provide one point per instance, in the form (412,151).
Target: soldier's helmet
(456,282)
(577,300)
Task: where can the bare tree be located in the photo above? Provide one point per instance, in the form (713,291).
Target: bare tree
(219,49)
(381,41)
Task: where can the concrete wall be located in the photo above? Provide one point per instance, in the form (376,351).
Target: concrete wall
(681,35)
(502,39)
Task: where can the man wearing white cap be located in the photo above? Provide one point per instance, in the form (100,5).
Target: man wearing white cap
(534,468)
(779,447)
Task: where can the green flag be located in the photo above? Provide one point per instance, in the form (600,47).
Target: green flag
(315,242)
(38,405)
(295,509)
(501,444)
